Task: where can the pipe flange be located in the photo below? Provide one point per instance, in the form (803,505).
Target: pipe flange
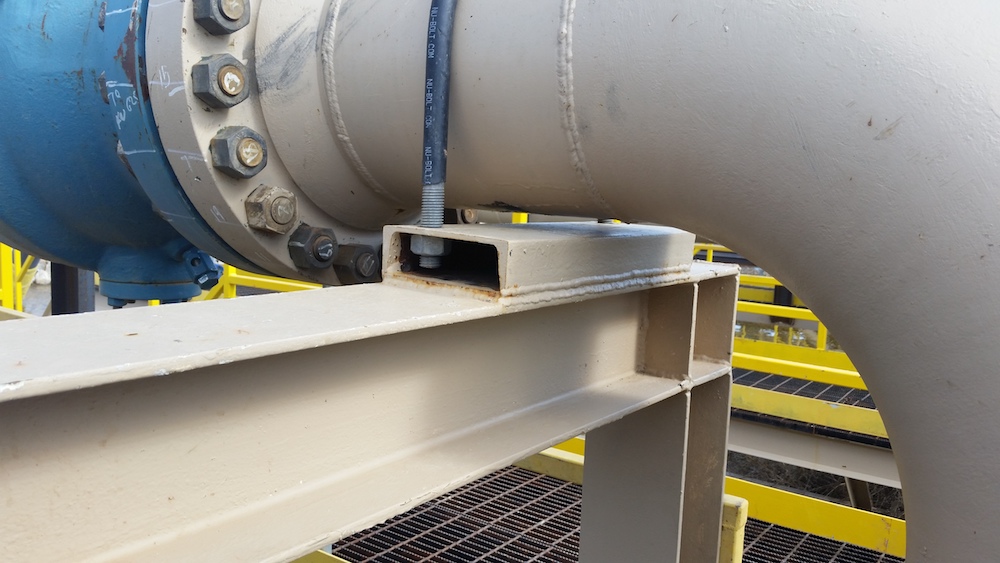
(203,120)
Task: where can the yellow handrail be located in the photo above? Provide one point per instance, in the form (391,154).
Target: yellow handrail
(12,274)
(768,283)
(822,518)
(809,363)
(233,277)
(16,275)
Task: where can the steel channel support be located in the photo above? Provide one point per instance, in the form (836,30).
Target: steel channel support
(289,421)
(839,457)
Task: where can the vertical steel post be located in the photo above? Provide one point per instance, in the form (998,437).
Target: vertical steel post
(72,290)
(633,494)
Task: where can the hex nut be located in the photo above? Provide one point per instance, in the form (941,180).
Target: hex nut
(312,248)
(271,209)
(222,17)
(220,81)
(423,245)
(239,152)
(356,263)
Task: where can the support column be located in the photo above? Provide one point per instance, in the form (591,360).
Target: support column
(859,493)
(706,470)
(633,494)
(72,290)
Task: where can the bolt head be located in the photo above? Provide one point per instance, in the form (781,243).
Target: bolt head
(231,80)
(324,248)
(220,81)
(250,151)
(312,248)
(367,264)
(283,210)
(232,10)
(271,209)
(239,152)
(222,17)
(469,216)
(357,263)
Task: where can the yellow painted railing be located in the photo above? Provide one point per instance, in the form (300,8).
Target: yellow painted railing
(809,411)
(808,361)
(233,277)
(799,512)
(15,277)
(812,362)
(757,297)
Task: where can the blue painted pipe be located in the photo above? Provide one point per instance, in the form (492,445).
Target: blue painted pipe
(83,177)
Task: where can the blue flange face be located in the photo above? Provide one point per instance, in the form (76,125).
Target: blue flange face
(83,176)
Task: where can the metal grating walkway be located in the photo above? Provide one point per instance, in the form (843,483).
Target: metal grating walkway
(811,390)
(515,515)
(801,388)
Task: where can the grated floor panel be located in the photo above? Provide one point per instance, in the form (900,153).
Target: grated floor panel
(812,390)
(515,515)
(801,388)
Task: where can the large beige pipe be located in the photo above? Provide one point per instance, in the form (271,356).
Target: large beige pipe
(849,147)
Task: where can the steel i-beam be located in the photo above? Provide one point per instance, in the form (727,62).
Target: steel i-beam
(262,428)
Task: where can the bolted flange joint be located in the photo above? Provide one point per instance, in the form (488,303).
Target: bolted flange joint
(222,17)
(220,81)
(239,152)
(271,209)
(312,248)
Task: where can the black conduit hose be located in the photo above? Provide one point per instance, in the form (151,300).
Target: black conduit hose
(440,27)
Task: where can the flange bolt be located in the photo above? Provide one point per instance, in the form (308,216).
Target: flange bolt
(312,248)
(231,80)
(222,17)
(271,209)
(239,152)
(220,81)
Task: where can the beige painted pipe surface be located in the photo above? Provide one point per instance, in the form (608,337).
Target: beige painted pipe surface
(851,148)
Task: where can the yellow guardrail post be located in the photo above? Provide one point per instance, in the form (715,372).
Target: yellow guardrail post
(7,283)
(822,337)
(228,287)
(735,513)
(19,271)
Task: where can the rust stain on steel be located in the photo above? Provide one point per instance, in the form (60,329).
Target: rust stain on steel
(126,55)
(434,283)
(102,87)
(78,75)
